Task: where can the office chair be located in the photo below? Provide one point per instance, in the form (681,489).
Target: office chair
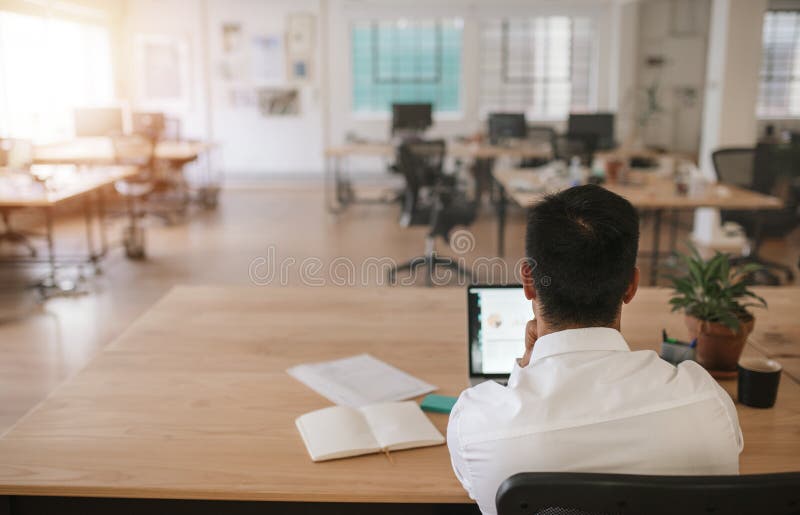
(751,168)
(540,135)
(566,493)
(445,205)
(566,146)
(152,191)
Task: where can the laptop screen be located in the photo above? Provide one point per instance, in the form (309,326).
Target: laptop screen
(497,318)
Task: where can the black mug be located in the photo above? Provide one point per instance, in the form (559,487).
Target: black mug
(758,382)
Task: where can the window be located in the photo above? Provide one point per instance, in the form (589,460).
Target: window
(49,66)
(406,61)
(779,89)
(542,66)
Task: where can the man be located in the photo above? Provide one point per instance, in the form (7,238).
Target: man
(579,400)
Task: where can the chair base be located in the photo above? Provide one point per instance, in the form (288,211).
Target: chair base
(770,278)
(430,262)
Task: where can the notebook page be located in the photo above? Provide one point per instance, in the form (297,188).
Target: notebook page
(401,425)
(359,381)
(336,432)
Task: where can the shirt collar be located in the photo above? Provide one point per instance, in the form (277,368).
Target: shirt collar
(578,340)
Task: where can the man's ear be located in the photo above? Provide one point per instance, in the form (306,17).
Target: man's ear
(632,287)
(528,283)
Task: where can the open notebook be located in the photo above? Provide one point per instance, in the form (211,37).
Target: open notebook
(341,431)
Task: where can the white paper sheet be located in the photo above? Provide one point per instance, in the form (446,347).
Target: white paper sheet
(359,380)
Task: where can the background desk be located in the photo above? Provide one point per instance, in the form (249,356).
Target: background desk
(69,183)
(651,193)
(193,401)
(88,151)
(339,188)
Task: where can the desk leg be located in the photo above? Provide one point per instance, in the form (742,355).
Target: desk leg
(134,240)
(101,220)
(502,201)
(87,213)
(673,231)
(332,186)
(656,246)
(50,282)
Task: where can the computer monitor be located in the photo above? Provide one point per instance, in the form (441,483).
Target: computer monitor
(98,122)
(411,117)
(505,126)
(497,316)
(600,126)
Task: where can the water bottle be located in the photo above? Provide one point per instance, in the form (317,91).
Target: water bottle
(575,173)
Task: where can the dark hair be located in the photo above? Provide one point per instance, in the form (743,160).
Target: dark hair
(581,244)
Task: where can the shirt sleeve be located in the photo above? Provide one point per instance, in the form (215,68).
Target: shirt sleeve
(515,372)
(733,415)
(455,446)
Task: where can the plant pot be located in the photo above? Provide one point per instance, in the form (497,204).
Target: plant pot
(718,347)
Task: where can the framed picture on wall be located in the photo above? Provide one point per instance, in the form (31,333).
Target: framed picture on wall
(300,34)
(300,45)
(161,72)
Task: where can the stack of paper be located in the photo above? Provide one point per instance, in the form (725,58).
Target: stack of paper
(359,381)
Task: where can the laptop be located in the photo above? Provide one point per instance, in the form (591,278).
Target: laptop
(497,316)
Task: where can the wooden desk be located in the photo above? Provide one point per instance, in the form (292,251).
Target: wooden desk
(89,151)
(193,401)
(66,182)
(454,149)
(648,191)
(69,183)
(337,183)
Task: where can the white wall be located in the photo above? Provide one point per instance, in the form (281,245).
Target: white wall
(249,142)
(342,12)
(176,18)
(734,61)
(627,32)
(624,58)
(253,143)
(676,32)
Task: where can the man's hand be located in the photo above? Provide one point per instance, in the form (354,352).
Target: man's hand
(530,340)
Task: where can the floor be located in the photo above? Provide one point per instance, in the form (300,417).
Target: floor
(282,224)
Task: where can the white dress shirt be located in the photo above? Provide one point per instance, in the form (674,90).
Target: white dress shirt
(586,403)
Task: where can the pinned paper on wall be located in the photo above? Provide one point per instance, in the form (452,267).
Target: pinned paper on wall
(300,43)
(231,38)
(300,34)
(267,59)
(299,69)
(279,102)
(241,98)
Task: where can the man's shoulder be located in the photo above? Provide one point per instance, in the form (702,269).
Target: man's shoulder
(481,404)
(629,381)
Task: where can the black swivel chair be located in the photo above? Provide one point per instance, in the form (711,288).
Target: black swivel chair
(752,168)
(540,135)
(568,145)
(432,198)
(549,493)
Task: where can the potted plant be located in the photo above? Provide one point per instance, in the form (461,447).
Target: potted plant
(715,298)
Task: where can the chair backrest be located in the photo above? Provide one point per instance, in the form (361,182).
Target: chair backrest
(421,162)
(542,134)
(735,165)
(569,145)
(148,125)
(559,493)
